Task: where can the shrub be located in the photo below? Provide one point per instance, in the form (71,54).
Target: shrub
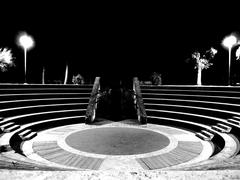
(156,78)
(78,79)
(5,59)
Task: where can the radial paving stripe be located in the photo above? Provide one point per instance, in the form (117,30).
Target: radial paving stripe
(182,155)
(70,160)
(44,145)
(185,151)
(59,158)
(193,147)
(51,151)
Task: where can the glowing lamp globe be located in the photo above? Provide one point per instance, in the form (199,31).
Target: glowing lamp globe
(26,41)
(229,41)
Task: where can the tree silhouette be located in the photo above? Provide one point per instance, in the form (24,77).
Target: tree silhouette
(5,59)
(202,61)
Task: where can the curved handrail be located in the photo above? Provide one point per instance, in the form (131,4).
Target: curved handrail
(92,105)
(138,101)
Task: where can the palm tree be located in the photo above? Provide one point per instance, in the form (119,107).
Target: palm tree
(43,75)
(238,53)
(66,74)
(203,62)
(5,59)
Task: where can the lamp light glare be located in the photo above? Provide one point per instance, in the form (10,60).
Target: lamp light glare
(26,41)
(229,41)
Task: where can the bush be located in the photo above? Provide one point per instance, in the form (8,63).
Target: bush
(78,79)
(156,78)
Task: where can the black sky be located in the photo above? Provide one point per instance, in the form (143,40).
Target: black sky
(115,41)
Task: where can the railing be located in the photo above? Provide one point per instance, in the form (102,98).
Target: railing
(92,105)
(138,101)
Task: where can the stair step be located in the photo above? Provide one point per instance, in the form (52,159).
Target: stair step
(29,136)
(236,117)
(219,129)
(25,132)
(228,128)
(208,134)
(7,125)
(237,122)
(12,128)
(202,136)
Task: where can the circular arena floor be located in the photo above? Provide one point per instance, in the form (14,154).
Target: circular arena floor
(117,141)
(117,146)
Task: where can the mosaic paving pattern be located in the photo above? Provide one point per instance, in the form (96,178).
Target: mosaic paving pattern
(183,148)
(52,152)
(185,151)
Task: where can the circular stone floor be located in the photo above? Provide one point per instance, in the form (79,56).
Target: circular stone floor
(117,141)
(117,146)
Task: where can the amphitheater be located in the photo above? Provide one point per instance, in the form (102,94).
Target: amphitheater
(180,132)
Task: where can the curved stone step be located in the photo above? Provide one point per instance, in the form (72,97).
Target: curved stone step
(29,136)
(6,125)
(207,133)
(14,111)
(234,121)
(12,128)
(226,127)
(220,129)
(236,117)
(25,132)
(203,136)
(25,118)
(190,115)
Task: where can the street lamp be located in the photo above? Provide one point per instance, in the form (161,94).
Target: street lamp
(26,42)
(229,42)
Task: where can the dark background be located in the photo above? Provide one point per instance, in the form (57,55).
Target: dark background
(119,41)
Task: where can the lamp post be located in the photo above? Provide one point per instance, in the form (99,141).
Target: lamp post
(229,42)
(26,42)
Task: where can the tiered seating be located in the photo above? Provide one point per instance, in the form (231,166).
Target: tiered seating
(212,113)
(27,109)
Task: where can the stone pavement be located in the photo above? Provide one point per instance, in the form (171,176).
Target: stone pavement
(119,175)
(50,147)
(125,167)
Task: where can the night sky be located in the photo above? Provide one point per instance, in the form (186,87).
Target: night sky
(117,43)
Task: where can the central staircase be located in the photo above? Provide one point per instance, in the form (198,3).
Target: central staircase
(115,101)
